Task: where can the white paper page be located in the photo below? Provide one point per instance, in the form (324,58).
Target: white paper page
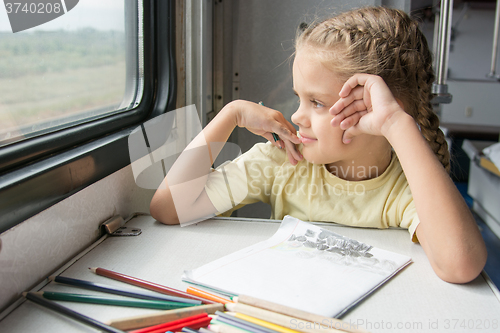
(302,266)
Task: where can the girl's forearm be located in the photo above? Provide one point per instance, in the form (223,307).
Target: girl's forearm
(182,192)
(447,230)
(177,198)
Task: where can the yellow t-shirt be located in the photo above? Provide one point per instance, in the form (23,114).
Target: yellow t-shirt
(309,192)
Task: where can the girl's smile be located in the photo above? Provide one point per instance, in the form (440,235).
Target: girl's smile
(306,139)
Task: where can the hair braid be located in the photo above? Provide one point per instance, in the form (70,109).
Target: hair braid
(388,43)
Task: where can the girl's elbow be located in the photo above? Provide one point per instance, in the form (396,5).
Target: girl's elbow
(463,270)
(155,210)
(160,211)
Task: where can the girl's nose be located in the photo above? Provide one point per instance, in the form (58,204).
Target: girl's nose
(299,118)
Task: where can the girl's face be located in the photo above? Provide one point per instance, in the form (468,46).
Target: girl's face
(318,89)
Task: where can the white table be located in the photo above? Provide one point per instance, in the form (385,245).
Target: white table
(415,300)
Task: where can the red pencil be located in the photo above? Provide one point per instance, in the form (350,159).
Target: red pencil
(194,322)
(147,285)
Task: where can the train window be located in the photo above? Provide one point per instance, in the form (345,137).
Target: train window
(71,91)
(74,69)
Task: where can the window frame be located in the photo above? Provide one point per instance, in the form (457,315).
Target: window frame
(39,172)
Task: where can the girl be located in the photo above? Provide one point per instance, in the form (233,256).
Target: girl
(368,152)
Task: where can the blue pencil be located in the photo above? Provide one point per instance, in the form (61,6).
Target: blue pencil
(120,291)
(243,324)
(70,313)
(189,330)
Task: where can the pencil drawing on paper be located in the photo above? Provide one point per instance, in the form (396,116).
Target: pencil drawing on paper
(337,249)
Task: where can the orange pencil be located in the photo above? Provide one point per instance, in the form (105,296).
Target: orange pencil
(204,294)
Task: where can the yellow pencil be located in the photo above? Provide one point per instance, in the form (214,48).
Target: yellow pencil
(265,324)
(283,320)
(253,307)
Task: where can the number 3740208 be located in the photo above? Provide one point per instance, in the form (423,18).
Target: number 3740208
(471,324)
(40,8)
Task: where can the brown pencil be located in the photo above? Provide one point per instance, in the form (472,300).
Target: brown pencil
(156,318)
(147,285)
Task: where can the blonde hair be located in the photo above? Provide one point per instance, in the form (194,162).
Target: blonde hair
(388,43)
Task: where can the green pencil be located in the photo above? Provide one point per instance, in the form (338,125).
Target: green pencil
(137,303)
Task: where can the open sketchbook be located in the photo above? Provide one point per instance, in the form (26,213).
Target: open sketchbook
(302,266)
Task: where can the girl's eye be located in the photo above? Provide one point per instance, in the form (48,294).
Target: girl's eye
(317,104)
(314,103)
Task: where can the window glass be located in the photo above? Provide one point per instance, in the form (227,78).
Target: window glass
(83,65)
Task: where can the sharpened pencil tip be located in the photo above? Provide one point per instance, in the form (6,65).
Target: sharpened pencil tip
(39,293)
(51,278)
(230,306)
(93,269)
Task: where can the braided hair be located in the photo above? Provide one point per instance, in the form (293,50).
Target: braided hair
(388,43)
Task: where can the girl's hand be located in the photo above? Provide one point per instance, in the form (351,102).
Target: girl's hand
(264,121)
(366,105)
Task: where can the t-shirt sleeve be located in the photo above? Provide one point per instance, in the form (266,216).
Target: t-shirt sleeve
(410,218)
(244,180)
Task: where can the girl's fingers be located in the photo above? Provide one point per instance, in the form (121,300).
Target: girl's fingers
(360,95)
(291,149)
(354,95)
(291,145)
(275,123)
(353,82)
(350,133)
(354,91)
(291,158)
(269,137)
(286,132)
(293,153)
(353,108)
(352,120)
(353,127)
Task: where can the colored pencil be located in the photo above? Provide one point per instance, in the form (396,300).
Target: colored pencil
(131,302)
(224,328)
(240,323)
(171,323)
(70,313)
(135,322)
(204,330)
(146,284)
(299,314)
(118,291)
(194,322)
(266,324)
(189,330)
(164,325)
(205,294)
(239,326)
(283,320)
